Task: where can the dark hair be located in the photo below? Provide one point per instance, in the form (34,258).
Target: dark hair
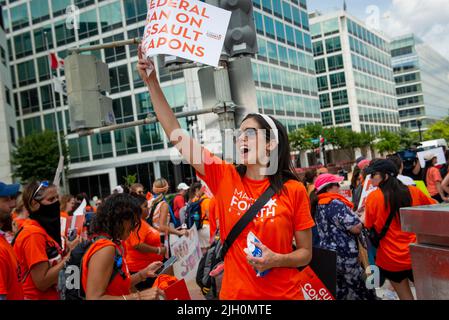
(429,164)
(134,187)
(396,160)
(113,212)
(309,176)
(28,192)
(396,194)
(194,188)
(355,177)
(314,198)
(285,169)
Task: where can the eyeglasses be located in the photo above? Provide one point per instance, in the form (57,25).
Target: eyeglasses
(43,184)
(248,133)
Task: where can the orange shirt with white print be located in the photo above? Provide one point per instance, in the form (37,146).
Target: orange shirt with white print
(148,235)
(275,226)
(9,272)
(31,247)
(393,253)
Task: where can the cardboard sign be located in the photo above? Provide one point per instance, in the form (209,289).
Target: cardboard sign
(189,29)
(57,178)
(367,189)
(439,152)
(345,191)
(188,251)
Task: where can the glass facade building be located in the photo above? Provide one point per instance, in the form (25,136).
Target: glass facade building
(422,82)
(283,71)
(354,74)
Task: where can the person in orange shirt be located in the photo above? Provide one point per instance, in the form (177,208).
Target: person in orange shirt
(67,205)
(213,220)
(432,178)
(10,287)
(393,255)
(204,233)
(143,245)
(264,153)
(20,215)
(116,218)
(40,250)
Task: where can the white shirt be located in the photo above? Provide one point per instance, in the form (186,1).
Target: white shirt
(406,180)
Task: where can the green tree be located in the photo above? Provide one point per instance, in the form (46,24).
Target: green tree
(439,130)
(130,180)
(408,138)
(388,142)
(37,156)
(302,138)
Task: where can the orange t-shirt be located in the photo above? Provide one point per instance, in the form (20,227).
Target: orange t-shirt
(146,234)
(118,286)
(275,226)
(31,248)
(205,203)
(9,272)
(212,217)
(393,253)
(433,176)
(64,214)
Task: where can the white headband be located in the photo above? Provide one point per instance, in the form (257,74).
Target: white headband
(272,126)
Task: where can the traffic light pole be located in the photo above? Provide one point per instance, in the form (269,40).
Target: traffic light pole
(58,133)
(105,46)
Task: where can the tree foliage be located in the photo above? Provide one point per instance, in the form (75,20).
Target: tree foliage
(439,130)
(388,142)
(37,156)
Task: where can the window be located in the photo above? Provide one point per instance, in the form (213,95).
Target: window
(330,26)
(143,105)
(283,56)
(326,117)
(280,32)
(337,80)
(269,27)
(60,6)
(32,125)
(151,137)
(320,66)
(339,98)
(272,52)
(135,11)
(290,35)
(5,20)
(322,83)
(125,141)
(88,24)
(22,44)
(335,62)
(12,134)
(26,73)
(63,35)
(19,17)
(299,39)
(43,68)
(305,20)
(8,95)
(176,95)
(78,150)
(287,11)
(30,101)
(47,98)
(114,54)
(277,8)
(39,11)
(296,16)
(342,116)
(325,101)
(333,44)
(83,3)
(402,51)
(111,16)
(39,38)
(123,110)
(50,124)
(408,89)
(318,48)
(101,145)
(119,78)
(136,33)
(266,6)
(258,19)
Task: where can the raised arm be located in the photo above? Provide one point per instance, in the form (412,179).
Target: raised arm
(187,146)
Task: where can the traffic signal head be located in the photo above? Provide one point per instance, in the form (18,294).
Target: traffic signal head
(241,38)
(87,80)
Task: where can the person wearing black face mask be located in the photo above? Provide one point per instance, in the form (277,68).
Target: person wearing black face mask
(38,245)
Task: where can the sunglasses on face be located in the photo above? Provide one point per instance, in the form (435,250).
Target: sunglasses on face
(43,184)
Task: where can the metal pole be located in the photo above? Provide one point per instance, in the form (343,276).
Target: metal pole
(105,46)
(150,119)
(419,128)
(56,115)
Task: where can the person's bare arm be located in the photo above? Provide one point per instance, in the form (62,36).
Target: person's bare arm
(445,184)
(188,147)
(163,225)
(145,248)
(357,229)
(44,276)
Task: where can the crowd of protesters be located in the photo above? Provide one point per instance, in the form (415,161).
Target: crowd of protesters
(129,231)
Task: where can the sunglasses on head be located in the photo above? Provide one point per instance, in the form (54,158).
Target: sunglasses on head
(43,184)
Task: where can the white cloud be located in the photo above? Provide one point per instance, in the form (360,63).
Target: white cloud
(427,19)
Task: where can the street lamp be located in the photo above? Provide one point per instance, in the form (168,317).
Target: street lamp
(419,123)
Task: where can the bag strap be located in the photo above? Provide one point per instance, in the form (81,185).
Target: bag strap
(384,231)
(246,219)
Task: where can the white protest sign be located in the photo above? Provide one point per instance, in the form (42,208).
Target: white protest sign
(63,226)
(78,212)
(367,189)
(189,29)
(57,179)
(188,251)
(438,152)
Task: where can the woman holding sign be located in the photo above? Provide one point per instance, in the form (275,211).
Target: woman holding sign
(393,255)
(265,153)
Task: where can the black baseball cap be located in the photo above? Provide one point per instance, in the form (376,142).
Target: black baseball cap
(384,166)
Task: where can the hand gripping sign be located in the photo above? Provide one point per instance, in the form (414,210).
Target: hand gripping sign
(189,29)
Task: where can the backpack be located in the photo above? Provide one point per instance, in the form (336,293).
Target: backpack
(208,262)
(74,291)
(193,214)
(175,220)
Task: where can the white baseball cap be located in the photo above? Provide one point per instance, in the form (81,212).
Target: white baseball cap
(183,186)
(429,156)
(118,189)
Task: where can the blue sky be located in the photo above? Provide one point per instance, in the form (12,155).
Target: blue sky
(428,19)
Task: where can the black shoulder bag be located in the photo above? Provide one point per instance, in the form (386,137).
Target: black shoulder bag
(375,237)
